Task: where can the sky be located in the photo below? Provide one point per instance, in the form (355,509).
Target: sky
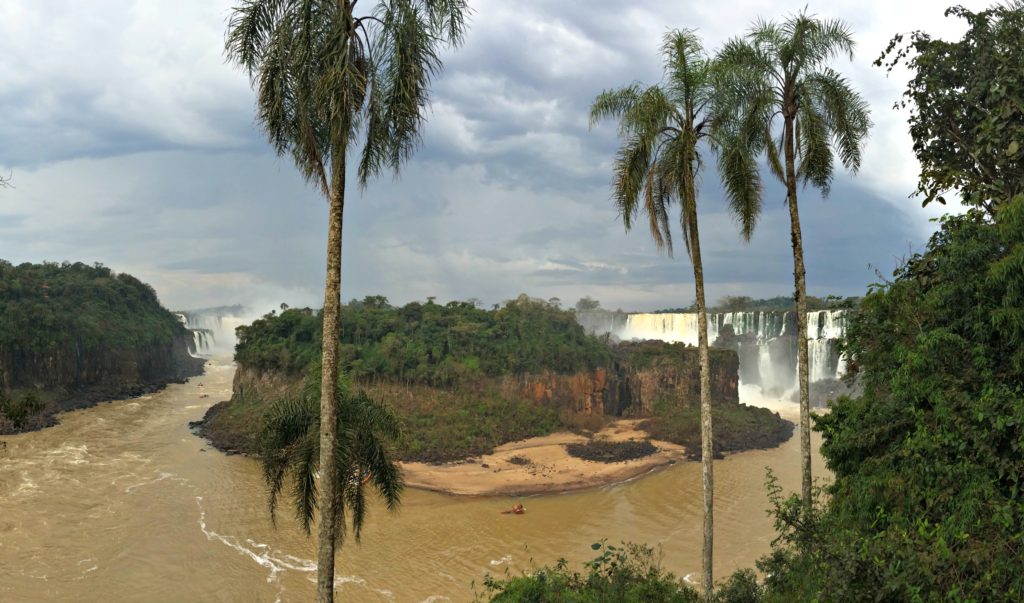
(131,141)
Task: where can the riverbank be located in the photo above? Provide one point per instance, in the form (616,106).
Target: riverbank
(541,465)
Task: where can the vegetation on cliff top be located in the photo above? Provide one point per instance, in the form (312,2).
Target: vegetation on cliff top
(49,307)
(737,427)
(429,343)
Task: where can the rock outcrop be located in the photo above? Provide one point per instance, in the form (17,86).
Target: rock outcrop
(641,374)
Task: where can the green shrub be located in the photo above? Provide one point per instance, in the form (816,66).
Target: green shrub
(630,573)
(737,427)
(607,451)
(18,412)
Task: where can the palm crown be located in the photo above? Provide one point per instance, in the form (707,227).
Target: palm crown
(323,74)
(781,71)
(660,127)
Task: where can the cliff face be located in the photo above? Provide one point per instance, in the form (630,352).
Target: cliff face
(73,370)
(267,385)
(642,374)
(70,379)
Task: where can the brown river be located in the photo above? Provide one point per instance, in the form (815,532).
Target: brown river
(121,502)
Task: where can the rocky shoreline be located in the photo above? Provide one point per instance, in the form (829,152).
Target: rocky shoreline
(227,442)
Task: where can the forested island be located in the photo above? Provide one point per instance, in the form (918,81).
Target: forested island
(465,379)
(72,335)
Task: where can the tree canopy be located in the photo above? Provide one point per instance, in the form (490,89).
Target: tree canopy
(927,501)
(49,307)
(966,101)
(427,343)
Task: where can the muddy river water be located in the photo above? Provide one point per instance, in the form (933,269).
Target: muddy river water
(121,502)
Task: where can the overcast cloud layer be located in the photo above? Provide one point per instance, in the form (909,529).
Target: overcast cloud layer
(132,143)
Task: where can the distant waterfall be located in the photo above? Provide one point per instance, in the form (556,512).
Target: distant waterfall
(213,329)
(764,340)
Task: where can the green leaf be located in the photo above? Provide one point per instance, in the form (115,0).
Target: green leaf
(595,546)
(1012,149)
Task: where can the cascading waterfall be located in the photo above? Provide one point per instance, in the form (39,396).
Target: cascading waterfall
(200,337)
(764,340)
(213,329)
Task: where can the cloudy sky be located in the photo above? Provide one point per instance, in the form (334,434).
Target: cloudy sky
(131,142)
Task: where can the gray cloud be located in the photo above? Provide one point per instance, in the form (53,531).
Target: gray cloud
(132,143)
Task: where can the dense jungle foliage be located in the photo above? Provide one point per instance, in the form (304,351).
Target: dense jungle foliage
(627,573)
(427,343)
(48,307)
(928,498)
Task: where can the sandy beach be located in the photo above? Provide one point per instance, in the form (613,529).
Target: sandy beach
(548,468)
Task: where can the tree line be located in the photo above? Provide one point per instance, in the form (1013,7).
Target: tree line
(50,307)
(427,343)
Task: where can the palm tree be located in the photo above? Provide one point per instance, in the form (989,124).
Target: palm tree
(325,76)
(788,103)
(290,451)
(662,128)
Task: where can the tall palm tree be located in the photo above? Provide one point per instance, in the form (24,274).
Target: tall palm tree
(789,104)
(326,76)
(290,451)
(663,129)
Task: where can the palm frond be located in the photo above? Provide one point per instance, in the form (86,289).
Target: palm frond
(305,461)
(687,71)
(740,173)
(290,450)
(812,141)
(846,112)
(612,104)
(324,76)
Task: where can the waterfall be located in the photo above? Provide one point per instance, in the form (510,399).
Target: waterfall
(765,341)
(213,329)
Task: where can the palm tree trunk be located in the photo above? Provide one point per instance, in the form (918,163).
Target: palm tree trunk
(707,450)
(327,495)
(799,277)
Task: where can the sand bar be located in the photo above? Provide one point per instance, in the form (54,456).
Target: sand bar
(550,469)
